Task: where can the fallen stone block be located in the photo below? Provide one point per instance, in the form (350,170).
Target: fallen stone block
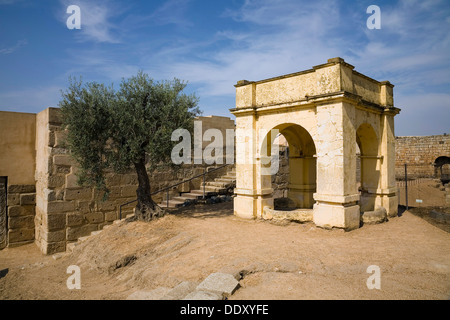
(379,215)
(222,283)
(155,294)
(203,295)
(180,291)
(297,215)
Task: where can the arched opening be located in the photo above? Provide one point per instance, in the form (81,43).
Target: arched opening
(369,166)
(442,169)
(296,173)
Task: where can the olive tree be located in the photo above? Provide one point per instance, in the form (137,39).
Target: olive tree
(124,129)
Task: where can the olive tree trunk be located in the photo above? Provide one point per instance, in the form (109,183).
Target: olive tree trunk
(146,208)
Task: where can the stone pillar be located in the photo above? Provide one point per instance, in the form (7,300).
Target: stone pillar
(336,197)
(253,183)
(387,194)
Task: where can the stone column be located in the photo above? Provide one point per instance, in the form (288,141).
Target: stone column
(253,185)
(336,197)
(387,194)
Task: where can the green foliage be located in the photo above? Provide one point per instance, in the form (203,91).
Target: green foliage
(109,129)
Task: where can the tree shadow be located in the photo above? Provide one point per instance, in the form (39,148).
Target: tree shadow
(204,211)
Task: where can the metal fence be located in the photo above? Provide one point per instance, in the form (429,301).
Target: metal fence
(422,192)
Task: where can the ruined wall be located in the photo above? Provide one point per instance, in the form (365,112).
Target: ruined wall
(420,154)
(64,210)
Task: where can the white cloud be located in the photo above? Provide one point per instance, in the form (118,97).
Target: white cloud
(15,47)
(171,12)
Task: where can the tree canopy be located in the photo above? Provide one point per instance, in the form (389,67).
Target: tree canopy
(124,129)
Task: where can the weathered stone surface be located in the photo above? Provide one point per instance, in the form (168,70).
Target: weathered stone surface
(16,211)
(78,194)
(27,198)
(63,160)
(203,295)
(55,181)
(298,215)
(221,283)
(180,291)
(22,188)
(73,233)
(60,206)
(95,217)
(13,199)
(54,222)
(20,235)
(25,222)
(60,137)
(53,236)
(52,247)
(85,206)
(372,217)
(155,294)
(71,181)
(74,219)
(128,191)
(110,216)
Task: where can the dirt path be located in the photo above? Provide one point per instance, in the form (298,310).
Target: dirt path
(291,261)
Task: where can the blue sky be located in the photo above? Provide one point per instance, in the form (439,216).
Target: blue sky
(213,44)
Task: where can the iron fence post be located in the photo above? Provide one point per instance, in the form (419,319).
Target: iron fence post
(406,186)
(204,175)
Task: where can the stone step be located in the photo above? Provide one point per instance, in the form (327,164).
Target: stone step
(209,191)
(228,180)
(172,204)
(216,184)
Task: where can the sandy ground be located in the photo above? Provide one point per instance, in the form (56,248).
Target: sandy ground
(288,261)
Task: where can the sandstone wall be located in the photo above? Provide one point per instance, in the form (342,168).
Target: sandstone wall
(419,153)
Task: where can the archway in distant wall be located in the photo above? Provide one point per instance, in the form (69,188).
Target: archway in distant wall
(442,168)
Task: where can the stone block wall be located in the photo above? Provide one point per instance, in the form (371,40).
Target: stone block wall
(21,201)
(3,216)
(419,153)
(65,211)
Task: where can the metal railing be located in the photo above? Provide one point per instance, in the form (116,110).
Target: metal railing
(206,171)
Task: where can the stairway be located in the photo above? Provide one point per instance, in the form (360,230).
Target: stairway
(219,186)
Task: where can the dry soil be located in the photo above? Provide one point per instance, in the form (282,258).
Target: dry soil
(275,261)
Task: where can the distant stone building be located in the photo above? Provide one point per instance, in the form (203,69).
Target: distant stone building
(425,156)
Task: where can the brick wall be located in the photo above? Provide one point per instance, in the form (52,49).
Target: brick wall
(420,154)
